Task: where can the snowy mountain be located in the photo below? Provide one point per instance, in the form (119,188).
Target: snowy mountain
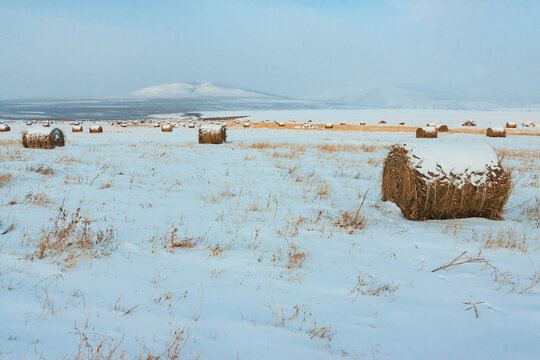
(196,89)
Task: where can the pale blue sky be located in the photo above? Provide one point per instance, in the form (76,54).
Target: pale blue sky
(294,48)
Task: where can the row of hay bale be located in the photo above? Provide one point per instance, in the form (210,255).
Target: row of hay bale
(430,132)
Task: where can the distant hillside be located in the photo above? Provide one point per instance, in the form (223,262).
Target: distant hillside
(196,89)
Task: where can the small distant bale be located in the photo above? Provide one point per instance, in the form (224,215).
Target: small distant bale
(4,128)
(442,128)
(426,132)
(382,121)
(246,124)
(496,132)
(431,125)
(469,123)
(95,129)
(38,138)
(123,125)
(212,134)
(191,126)
(511,125)
(77,128)
(281,124)
(328,126)
(28,123)
(528,124)
(46,124)
(343,123)
(156,125)
(401,123)
(166,128)
(362,123)
(447,181)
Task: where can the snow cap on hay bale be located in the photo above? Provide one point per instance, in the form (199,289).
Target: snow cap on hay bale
(4,128)
(447,181)
(496,132)
(431,124)
(77,128)
(281,124)
(343,123)
(469,123)
(328,126)
(246,124)
(191,126)
(156,125)
(212,134)
(510,125)
(46,124)
(442,127)
(95,129)
(427,132)
(166,128)
(39,138)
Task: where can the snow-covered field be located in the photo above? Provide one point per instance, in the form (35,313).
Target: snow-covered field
(411,117)
(275,245)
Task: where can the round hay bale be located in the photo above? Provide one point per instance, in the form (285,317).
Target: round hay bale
(46,124)
(401,123)
(382,121)
(496,132)
(510,125)
(447,181)
(363,123)
(328,126)
(38,138)
(442,128)
(191,126)
(28,123)
(528,124)
(156,125)
(281,124)
(95,129)
(77,128)
(469,123)
(123,125)
(343,123)
(431,124)
(426,132)
(166,128)
(212,134)
(246,124)
(4,128)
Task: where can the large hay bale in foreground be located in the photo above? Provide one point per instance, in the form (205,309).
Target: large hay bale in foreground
(426,132)
(496,132)
(446,181)
(77,128)
(212,134)
(40,138)
(4,128)
(95,129)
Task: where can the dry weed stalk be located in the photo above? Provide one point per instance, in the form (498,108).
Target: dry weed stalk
(472,305)
(505,239)
(366,285)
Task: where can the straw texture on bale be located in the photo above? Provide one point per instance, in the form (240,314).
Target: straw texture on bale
(427,132)
(4,128)
(510,125)
(212,134)
(496,132)
(166,128)
(38,138)
(442,128)
(95,129)
(77,128)
(444,193)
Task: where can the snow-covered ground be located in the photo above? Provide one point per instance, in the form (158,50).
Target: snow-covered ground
(247,250)
(411,117)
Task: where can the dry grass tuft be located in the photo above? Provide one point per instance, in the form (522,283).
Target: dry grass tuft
(41,169)
(71,238)
(5,179)
(171,240)
(505,239)
(351,220)
(366,285)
